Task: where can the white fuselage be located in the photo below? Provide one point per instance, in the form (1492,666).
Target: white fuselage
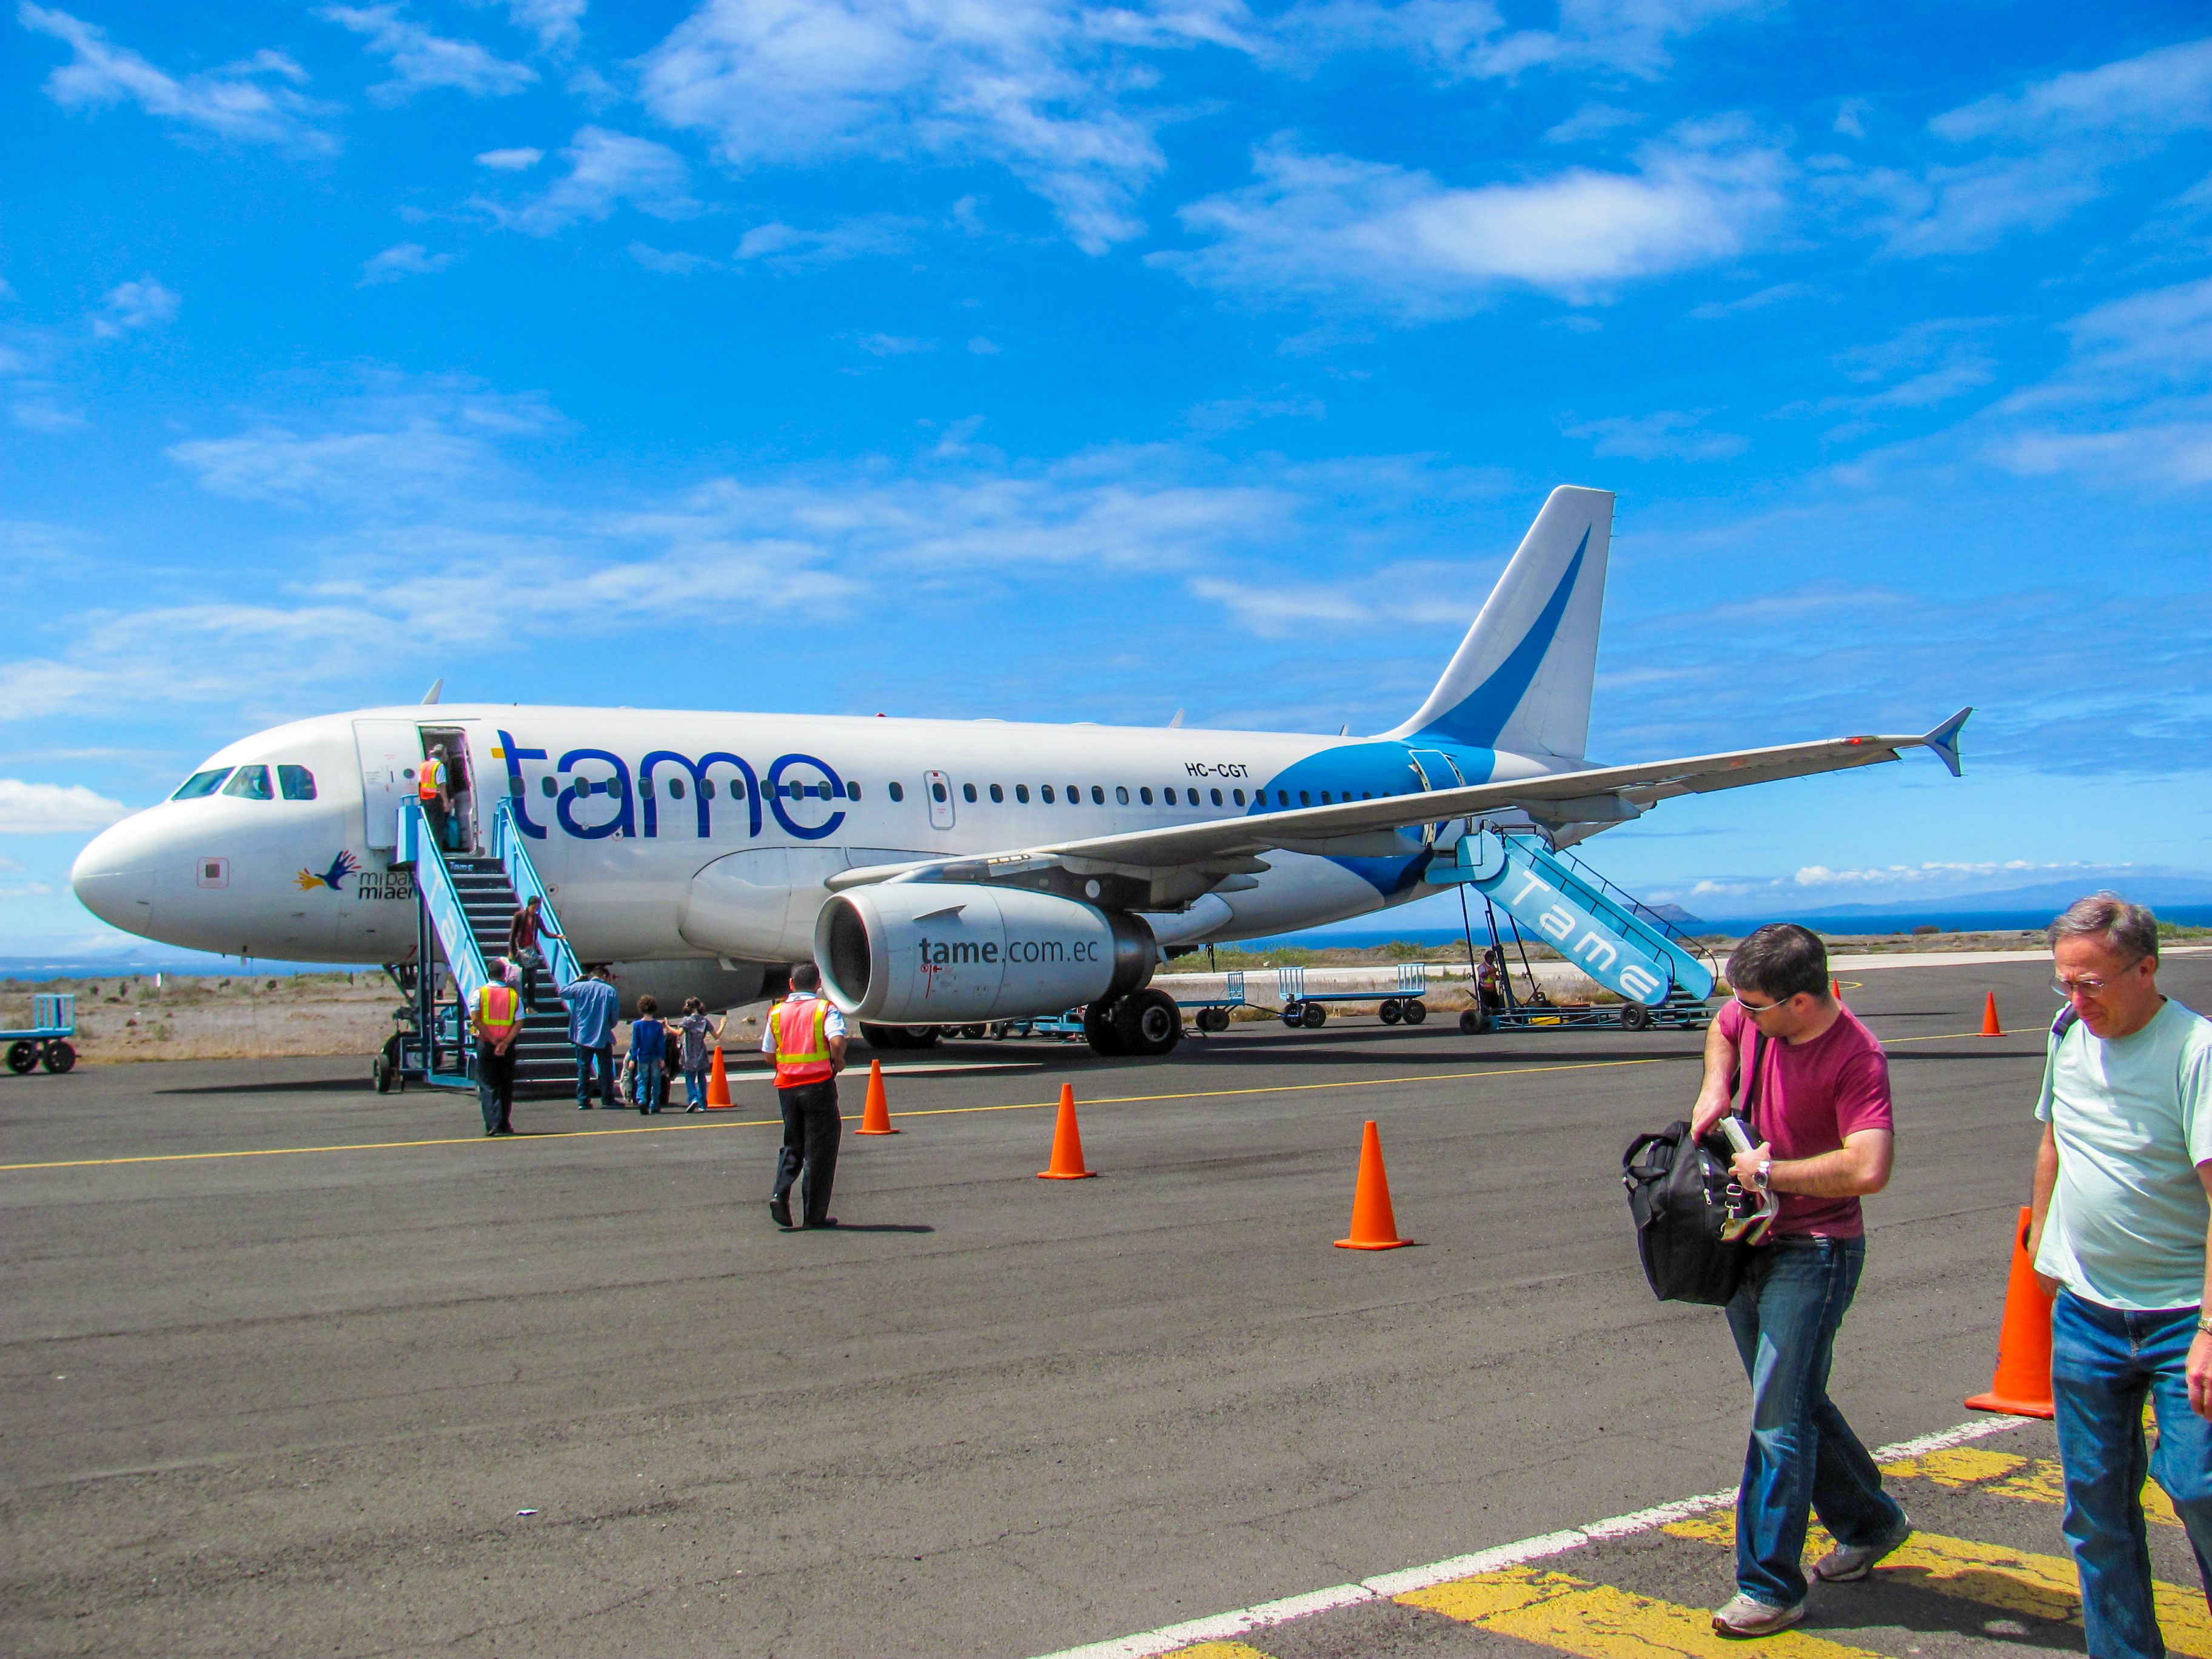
(670,835)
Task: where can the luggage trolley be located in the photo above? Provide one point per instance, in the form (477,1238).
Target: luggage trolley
(53,1022)
(1214,1012)
(1302,1007)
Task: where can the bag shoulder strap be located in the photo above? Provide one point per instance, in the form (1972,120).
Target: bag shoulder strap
(1751,1103)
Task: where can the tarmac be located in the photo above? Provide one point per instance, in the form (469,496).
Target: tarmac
(293,1368)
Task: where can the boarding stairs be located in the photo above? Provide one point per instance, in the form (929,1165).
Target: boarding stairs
(463,902)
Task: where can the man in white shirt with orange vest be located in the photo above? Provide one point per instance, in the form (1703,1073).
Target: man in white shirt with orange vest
(495,1020)
(806,1034)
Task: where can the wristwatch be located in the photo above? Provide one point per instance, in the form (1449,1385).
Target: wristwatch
(2204,1324)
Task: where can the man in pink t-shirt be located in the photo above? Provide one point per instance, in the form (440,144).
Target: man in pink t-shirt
(1816,1097)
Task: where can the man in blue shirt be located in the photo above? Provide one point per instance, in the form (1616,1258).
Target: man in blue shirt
(593,1003)
(2118,1232)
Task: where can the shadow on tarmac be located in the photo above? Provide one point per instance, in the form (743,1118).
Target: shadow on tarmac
(328,1085)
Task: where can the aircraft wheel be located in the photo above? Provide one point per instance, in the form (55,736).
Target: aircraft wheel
(22,1055)
(975,1033)
(60,1057)
(1313,1016)
(1291,1010)
(1101,1030)
(1635,1017)
(1148,1022)
(1416,1010)
(1390,1011)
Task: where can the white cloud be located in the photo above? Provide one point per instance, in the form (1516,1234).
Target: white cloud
(46,809)
(1231,414)
(1320,224)
(520,160)
(982,347)
(1667,434)
(1774,295)
(44,414)
(236,102)
(1468,39)
(786,247)
(553,21)
(669,263)
(2165,91)
(422,60)
(605,169)
(401,259)
(807,80)
(1591,121)
(892,345)
(132,306)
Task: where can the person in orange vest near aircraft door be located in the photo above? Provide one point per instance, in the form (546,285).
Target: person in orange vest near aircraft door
(431,791)
(806,1034)
(495,1020)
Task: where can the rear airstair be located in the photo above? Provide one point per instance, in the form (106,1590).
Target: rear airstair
(463,902)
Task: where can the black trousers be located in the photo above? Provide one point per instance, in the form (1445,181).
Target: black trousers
(495,1085)
(810,1131)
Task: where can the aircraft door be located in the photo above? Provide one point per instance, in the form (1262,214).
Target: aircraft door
(1437,770)
(391,750)
(940,800)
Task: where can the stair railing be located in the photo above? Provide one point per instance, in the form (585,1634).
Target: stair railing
(441,902)
(513,852)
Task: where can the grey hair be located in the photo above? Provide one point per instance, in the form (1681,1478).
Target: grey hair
(2128,929)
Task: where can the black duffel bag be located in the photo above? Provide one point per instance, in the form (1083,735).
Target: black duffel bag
(1679,1193)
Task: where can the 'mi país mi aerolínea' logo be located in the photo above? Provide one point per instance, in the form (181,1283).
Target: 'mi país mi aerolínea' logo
(343,865)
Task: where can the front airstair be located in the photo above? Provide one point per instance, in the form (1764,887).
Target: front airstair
(463,904)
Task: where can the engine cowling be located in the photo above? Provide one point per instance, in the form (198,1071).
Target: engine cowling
(918,953)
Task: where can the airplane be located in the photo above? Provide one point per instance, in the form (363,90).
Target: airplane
(941,872)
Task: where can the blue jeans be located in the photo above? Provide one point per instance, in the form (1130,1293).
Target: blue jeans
(2103,1362)
(1802,1456)
(599,1060)
(649,1086)
(695,1086)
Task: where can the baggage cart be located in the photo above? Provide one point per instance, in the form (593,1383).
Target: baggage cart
(45,1042)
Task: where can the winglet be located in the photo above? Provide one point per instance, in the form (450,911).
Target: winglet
(436,686)
(1944,739)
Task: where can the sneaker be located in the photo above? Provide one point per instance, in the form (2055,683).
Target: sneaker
(583,1105)
(1847,1564)
(1743,1616)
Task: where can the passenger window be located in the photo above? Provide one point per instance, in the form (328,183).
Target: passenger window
(1240,797)
(1366,795)
(998,794)
(1282,798)
(937,792)
(1305,798)
(1146,796)
(707,789)
(1044,794)
(646,791)
(852,792)
(898,791)
(1098,796)
(549,787)
(1075,794)
(676,789)
(251,783)
(1120,794)
(1022,793)
(295,782)
(967,793)
(201,783)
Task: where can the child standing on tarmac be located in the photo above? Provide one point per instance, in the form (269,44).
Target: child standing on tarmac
(648,1049)
(694,1029)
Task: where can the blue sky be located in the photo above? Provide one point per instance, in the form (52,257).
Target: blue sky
(1090,360)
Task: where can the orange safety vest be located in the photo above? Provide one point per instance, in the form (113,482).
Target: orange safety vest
(500,1009)
(802,1043)
(428,780)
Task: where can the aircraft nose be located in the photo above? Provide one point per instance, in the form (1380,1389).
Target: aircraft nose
(114,876)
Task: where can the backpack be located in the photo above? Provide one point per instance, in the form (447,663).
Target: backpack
(1678,1195)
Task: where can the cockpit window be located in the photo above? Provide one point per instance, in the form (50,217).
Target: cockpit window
(251,783)
(297,782)
(201,783)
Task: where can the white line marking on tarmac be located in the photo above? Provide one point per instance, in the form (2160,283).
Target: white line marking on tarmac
(1222,1627)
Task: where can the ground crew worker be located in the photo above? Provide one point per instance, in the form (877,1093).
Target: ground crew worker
(806,1034)
(431,791)
(496,1020)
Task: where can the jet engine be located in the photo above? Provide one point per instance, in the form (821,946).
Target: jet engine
(914,953)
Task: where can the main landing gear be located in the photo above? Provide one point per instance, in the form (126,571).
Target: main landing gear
(1143,1024)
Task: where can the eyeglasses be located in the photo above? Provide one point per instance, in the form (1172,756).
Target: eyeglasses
(2088,985)
(1755,1009)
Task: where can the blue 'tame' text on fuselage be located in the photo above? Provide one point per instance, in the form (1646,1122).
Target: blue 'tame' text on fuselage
(640,807)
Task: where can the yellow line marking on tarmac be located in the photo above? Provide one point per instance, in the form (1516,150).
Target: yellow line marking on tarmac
(934,1111)
(1597,1621)
(1218,1651)
(2001,1474)
(1991,1576)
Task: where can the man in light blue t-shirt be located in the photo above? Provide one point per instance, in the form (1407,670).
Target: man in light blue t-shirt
(2120,1232)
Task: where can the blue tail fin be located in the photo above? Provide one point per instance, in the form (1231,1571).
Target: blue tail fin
(1521,678)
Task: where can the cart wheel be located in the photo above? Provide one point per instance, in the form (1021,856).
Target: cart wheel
(1213,1019)
(1312,1016)
(1415,1012)
(22,1055)
(1291,1012)
(60,1057)
(975,1033)
(1635,1017)
(1474,1022)
(1390,1011)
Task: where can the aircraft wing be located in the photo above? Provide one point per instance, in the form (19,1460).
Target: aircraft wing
(1229,847)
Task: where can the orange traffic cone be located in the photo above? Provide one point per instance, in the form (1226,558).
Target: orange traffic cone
(876,1115)
(1373,1225)
(718,1085)
(2021,1386)
(1989,1026)
(1066,1143)
(1835,989)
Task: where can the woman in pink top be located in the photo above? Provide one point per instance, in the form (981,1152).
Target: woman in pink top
(1816,1098)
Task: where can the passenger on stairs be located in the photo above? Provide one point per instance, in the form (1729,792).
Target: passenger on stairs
(524,929)
(649,1055)
(593,1004)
